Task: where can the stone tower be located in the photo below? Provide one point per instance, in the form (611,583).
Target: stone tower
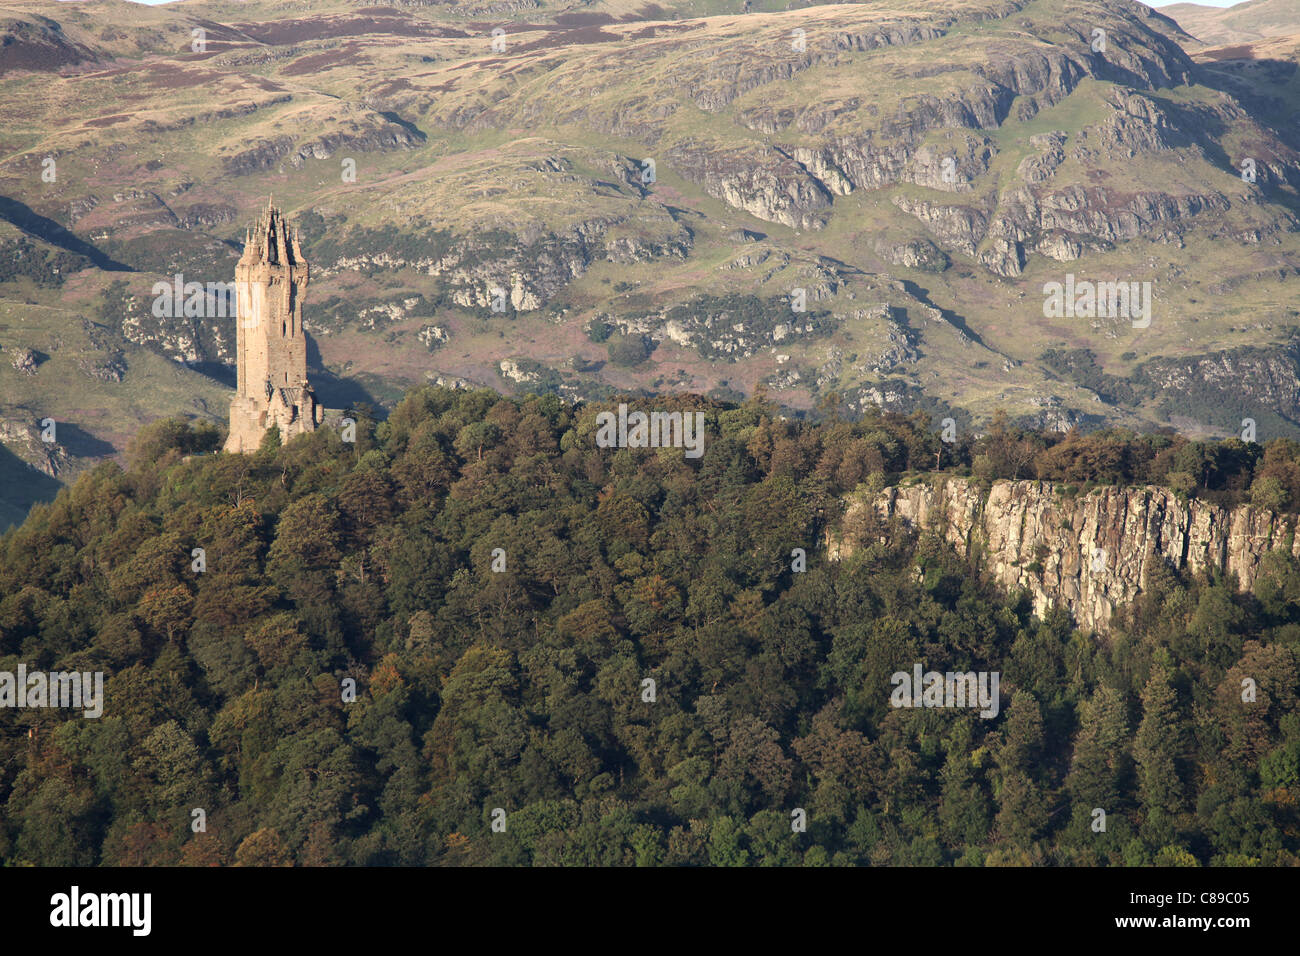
(271,348)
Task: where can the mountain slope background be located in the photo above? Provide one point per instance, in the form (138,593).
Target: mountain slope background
(1240,23)
(920,170)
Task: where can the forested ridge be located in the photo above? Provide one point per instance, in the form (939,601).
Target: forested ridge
(523,689)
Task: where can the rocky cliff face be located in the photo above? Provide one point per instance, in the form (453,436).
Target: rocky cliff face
(23,439)
(1090,553)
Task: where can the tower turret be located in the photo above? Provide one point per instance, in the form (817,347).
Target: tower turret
(271,347)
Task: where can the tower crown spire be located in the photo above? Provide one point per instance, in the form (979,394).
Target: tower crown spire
(273,240)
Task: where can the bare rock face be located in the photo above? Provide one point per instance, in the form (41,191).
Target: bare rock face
(1090,553)
(24,439)
(914,254)
(1003,257)
(764,182)
(24,360)
(961,227)
(367,132)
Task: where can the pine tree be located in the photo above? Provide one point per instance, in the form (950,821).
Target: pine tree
(1160,744)
(1100,751)
(964,812)
(1022,737)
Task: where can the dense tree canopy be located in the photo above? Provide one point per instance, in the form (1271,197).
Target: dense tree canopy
(501,592)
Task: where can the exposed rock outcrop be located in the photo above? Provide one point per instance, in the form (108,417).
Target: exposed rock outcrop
(1090,553)
(25,361)
(914,254)
(365,132)
(24,439)
(762,181)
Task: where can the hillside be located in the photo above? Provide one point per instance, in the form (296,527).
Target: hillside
(913,174)
(1239,23)
(474,636)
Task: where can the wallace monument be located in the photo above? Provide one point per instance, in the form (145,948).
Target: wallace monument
(271,347)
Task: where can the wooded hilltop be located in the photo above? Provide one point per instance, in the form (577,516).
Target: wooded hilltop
(524,689)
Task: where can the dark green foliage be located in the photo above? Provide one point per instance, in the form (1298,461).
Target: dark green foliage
(1180,387)
(1228,472)
(524,689)
(599,332)
(628,350)
(46,266)
(358,313)
(718,316)
(1080,365)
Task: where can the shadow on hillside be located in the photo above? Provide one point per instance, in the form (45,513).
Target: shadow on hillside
(1262,86)
(47,230)
(332,391)
(406,125)
(79,443)
(21,486)
(219,372)
(922,295)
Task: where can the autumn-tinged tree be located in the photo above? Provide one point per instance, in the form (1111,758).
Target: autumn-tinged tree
(263,848)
